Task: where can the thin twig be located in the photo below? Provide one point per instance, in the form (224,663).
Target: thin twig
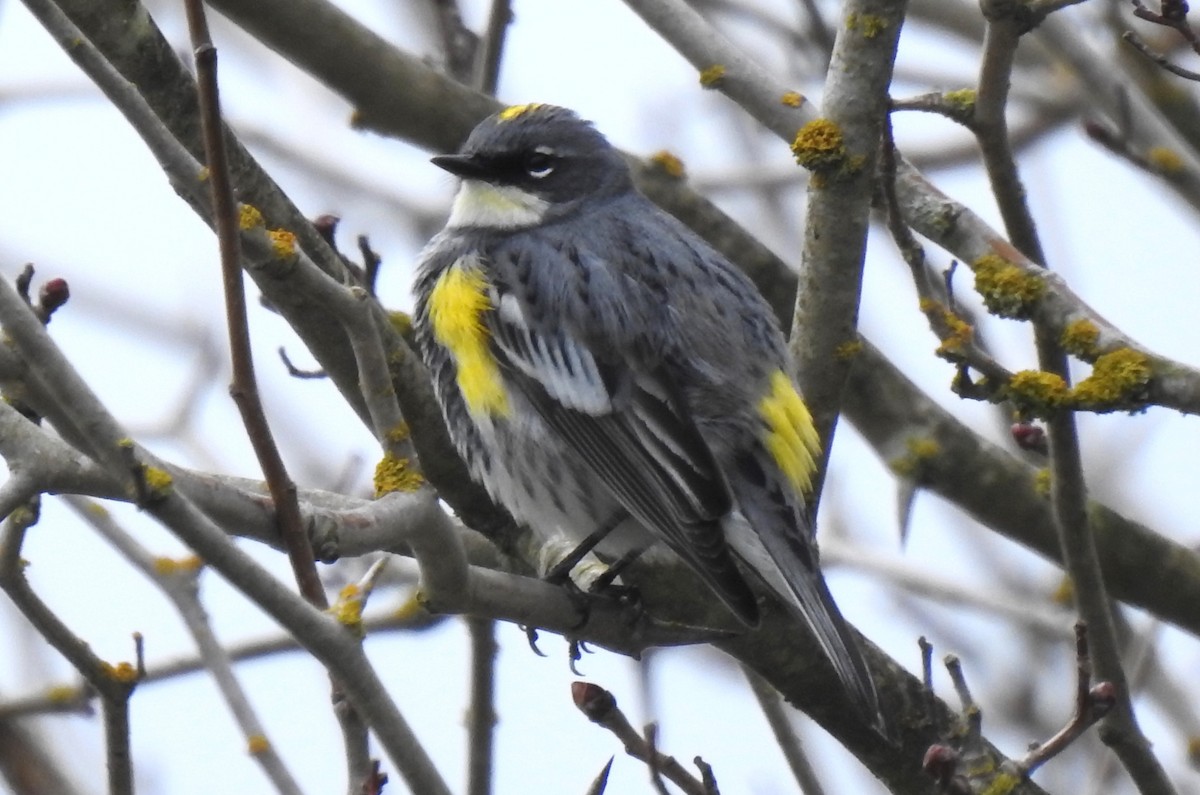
(1135,41)
(244,387)
(179,582)
(491,54)
(481,714)
(1068,491)
(785,733)
(113,683)
(600,707)
(1091,704)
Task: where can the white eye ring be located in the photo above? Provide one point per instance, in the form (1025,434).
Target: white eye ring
(541,163)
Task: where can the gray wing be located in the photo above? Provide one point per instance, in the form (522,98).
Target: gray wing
(631,431)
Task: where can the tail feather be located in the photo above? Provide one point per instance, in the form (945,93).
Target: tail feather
(786,562)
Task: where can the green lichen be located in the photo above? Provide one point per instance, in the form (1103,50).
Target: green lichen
(1007,291)
(1042,480)
(401,322)
(1036,392)
(1118,381)
(961,100)
(921,449)
(398,433)
(712,76)
(869,25)
(848,350)
(1002,784)
(1079,339)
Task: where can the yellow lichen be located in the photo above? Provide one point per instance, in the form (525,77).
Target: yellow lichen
(848,350)
(710,77)
(1042,480)
(249,217)
(203,174)
(869,25)
(62,694)
(1037,392)
(348,607)
(954,332)
(793,99)
(1193,750)
(1166,160)
(257,744)
(668,164)
(1064,594)
(121,672)
(396,473)
(1007,291)
(167,566)
(399,433)
(1118,380)
(283,243)
(158,482)
(410,608)
(1079,338)
(820,146)
(962,100)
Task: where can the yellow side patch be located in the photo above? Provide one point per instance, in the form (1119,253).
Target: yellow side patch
(791,438)
(456,306)
(513,111)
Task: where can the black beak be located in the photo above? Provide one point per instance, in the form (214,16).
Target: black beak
(465,166)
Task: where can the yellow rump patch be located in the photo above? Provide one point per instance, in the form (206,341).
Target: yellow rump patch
(790,437)
(456,306)
(515,111)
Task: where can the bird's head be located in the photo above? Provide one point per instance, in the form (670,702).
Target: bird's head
(530,164)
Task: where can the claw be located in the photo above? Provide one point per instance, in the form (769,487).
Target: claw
(577,649)
(531,635)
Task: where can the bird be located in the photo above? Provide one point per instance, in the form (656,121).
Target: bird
(604,372)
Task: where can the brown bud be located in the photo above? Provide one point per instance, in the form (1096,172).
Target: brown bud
(1029,436)
(53,294)
(940,762)
(1103,696)
(592,700)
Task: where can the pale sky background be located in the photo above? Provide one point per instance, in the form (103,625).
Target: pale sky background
(83,199)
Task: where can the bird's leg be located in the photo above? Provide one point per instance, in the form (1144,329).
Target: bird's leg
(606,582)
(561,572)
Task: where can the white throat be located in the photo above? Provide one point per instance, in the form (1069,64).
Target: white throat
(483,205)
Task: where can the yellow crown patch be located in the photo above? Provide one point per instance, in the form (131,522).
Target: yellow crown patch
(516,111)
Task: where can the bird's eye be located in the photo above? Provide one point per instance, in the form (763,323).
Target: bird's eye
(539,164)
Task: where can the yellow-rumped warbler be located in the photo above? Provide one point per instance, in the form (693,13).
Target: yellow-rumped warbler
(600,366)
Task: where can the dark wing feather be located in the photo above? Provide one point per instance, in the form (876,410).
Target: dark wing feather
(633,434)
